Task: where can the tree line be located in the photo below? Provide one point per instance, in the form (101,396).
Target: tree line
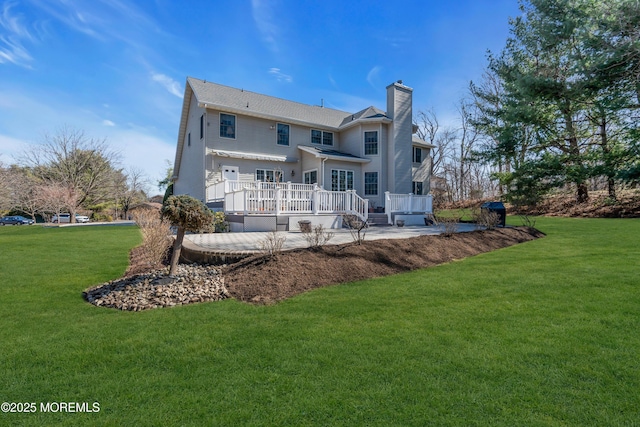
(70,172)
(556,108)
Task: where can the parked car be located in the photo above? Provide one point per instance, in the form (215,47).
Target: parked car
(65,217)
(15,220)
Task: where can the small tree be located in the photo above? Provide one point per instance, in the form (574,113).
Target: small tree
(188,214)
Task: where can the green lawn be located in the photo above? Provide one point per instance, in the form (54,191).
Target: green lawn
(543,333)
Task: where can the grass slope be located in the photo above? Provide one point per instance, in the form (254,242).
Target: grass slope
(543,333)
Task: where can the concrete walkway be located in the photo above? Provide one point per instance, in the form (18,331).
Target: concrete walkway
(248,243)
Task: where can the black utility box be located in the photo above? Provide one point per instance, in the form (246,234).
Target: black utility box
(497,207)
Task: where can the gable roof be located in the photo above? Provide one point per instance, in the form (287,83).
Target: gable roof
(225,98)
(244,102)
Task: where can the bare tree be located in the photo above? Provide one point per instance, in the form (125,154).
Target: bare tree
(54,198)
(84,166)
(130,189)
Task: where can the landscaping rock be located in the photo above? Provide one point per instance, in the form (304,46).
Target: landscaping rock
(191,284)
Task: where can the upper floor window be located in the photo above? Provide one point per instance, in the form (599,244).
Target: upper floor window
(321,137)
(417,155)
(327,138)
(189,139)
(202,126)
(227,126)
(283,134)
(371,183)
(316,136)
(371,143)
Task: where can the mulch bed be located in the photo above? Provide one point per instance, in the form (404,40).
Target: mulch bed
(267,280)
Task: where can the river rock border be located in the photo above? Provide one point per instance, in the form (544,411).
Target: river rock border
(191,284)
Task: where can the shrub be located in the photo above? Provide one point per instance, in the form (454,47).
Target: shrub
(156,238)
(357,227)
(527,221)
(220,224)
(317,236)
(272,245)
(188,214)
(487,219)
(101,217)
(449,225)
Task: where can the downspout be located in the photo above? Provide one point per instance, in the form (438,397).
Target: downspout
(204,155)
(323,160)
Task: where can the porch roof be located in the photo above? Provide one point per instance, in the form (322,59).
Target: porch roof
(332,154)
(252,156)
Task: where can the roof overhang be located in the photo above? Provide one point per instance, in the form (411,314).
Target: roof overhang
(421,143)
(341,157)
(366,120)
(275,118)
(251,156)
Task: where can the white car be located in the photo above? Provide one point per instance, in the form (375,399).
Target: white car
(65,217)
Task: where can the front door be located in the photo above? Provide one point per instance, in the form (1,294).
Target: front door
(230,173)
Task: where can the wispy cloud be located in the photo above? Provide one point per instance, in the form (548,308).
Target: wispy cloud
(262,12)
(373,77)
(280,76)
(109,123)
(172,86)
(13,33)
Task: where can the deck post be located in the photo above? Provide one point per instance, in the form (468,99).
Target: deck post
(315,201)
(410,203)
(387,206)
(277,196)
(244,203)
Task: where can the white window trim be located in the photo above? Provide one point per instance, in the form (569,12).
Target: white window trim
(413,154)
(288,134)
(275,171)
(346,171)
(364,184)
(309,171)
(321,143)
(235,125)
(364,143)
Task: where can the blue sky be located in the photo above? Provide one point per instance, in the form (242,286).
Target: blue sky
(117,68)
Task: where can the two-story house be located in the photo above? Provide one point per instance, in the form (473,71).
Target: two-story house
(232,139)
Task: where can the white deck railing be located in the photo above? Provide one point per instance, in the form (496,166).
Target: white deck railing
(296,200)
(217,191)
(406,203)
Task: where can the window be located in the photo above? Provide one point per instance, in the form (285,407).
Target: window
(417,187)
(371,183)
(268,175)
(316,136)
(283,134)
(189,139)
(311,177)
(321,137)
(202,126)
(417,155)
(327,138)
(227,126)
(341,180)
(371,143)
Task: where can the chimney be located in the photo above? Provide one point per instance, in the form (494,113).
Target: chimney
(400,149)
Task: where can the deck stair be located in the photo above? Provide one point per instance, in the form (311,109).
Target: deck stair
(378,220)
